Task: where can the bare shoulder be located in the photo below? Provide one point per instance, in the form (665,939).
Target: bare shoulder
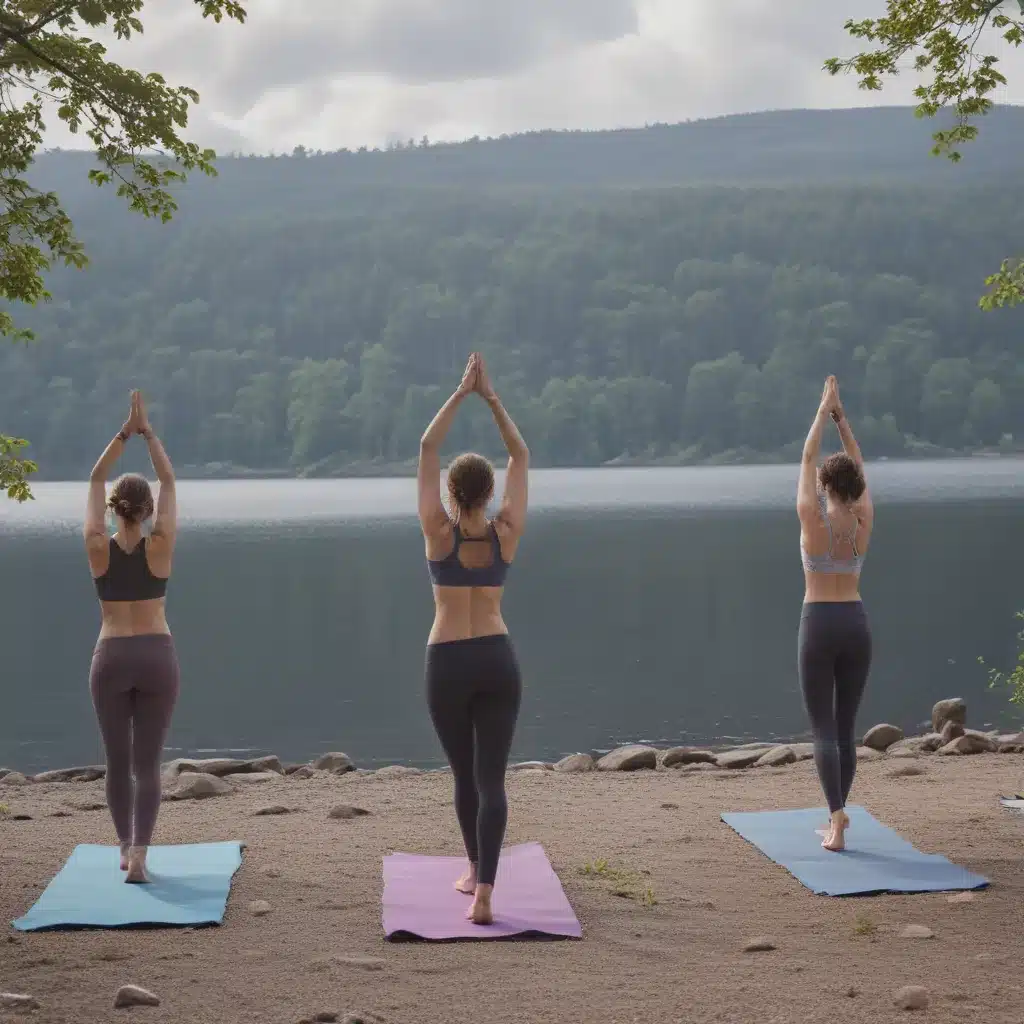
(439,539)
(97,550)
(508,538)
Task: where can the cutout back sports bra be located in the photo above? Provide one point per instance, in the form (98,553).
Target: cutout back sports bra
(128,576)
(450,572)
(828,562)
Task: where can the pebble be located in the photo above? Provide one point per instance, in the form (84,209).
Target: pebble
(961,897)
(762,944)
(133,995)
(344,811)
(17,1001)
(917,931)
(911,997)
(272,809)
(905,771)
(272,872)
(21,817)
(670,807)
(259,908)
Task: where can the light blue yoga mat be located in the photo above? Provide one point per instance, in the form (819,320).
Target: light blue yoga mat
(875,860)
(188,885)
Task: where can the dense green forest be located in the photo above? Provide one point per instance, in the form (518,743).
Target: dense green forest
(309,313)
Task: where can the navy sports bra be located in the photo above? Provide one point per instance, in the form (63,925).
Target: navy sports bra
(828,562)
(128,576)
(450,572)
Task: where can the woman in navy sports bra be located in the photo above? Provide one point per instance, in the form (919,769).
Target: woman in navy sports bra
(134,674)
(473,682)
(836,519)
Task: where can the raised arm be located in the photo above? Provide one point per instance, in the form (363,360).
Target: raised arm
(864,506)
(807,489)
(428,473)
(95,529)
(165,522)
(514,500)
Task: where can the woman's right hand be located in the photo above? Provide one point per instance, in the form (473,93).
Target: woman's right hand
(469,377)
(131,425)
(829,398)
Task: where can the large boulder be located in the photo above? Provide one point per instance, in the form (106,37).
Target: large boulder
(739,758)
(218,766)
(576,763)
(196,786)
(629,759)
(881,737)
(88,774)
(973,743)
(686,755)
(954,709)
(776,757)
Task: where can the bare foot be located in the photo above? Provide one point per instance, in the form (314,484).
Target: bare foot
(467,883)
(480,910)
(137,865)
(836,838)
(124,856)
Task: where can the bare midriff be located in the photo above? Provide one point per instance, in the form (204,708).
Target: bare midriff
(828,586)
(133,618)
(462,613)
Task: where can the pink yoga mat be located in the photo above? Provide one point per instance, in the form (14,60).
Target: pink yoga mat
(421,902)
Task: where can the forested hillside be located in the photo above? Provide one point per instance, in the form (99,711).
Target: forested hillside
(298,317)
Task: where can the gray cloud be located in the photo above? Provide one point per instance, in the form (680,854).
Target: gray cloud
(331,73)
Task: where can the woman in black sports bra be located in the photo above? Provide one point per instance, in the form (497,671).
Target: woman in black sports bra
(473,682)
(134,674)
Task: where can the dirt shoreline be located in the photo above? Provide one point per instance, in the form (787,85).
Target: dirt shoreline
(678,960)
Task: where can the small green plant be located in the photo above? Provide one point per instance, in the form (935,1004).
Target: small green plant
(1015,679)
(626,883)
(863,925)
(4,809)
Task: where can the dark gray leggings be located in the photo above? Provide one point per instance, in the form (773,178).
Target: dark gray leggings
(473,692)
(134,684)
(834,659)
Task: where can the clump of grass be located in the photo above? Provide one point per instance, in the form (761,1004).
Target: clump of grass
(863,925)
(4,809)
(626,883)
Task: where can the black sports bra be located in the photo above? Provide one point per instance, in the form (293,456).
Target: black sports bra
(450,572)
(128,576)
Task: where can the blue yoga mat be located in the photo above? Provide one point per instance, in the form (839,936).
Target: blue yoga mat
(875,860)
(188,885)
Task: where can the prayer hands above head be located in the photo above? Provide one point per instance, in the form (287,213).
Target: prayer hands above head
(138,420)
(483,388)
(469,377)
(830,398)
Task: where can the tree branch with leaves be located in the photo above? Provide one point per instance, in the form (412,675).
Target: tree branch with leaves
(944,36)
(133,121)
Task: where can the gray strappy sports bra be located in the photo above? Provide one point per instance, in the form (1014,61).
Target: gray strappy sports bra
(828,562)
(450,572)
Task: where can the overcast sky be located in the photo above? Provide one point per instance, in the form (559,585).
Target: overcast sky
(334,73)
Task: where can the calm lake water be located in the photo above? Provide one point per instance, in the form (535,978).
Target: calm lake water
(645,604)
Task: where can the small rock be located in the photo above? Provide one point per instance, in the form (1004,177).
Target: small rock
(576,763)
(268,763)
(881,737)
(738,758)
(971,743)
(334,762)
(88,805)
(867,754)
(803,751)
(630,758)
(272,872)
(17,1002)
(14,779)
(851,993)
(251,778)
(272,809)
(397,771)
(87,774)
(670,807)
(961,897)
(133,995)
(259,908)
(917,931)
(520,766)
(61,814)
(362,1018)
(306,771)
(345,811)
(952,710)
(686,755)
(905,771)
(776,758)
(21,817)
(1011,744)
(325,1017)
(194,786)
(950,731)
(911,997)
(200,766)
(762,944)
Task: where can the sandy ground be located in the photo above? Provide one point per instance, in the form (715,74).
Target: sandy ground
(678,960)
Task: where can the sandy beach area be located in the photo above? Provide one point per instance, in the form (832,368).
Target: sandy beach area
(672,951)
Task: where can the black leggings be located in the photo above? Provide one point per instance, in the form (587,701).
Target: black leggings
(834,658)
(473,691)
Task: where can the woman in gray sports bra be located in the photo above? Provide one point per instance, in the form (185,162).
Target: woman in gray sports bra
(472,676)
(134,673)
(834,647)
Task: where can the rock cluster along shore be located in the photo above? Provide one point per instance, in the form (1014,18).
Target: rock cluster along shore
(190,779)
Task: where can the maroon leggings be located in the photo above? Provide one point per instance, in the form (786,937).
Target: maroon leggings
(134,684)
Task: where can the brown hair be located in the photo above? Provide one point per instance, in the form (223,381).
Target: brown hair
(842,478)
(470,481)
(131,498)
